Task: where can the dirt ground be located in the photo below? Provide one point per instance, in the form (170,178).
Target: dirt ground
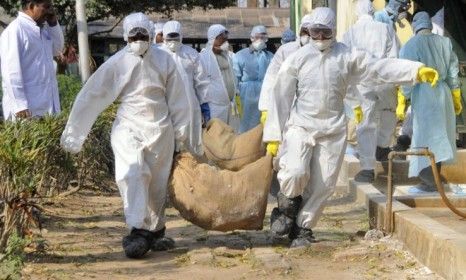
(82,240)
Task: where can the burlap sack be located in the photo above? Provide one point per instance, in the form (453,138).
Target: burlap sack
(231,151)
(222,200)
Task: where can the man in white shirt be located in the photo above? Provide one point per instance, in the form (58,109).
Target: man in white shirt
(27,48)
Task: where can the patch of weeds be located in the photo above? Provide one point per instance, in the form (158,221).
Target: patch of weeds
(182,260)
(325,252)
(222,262)
(227,254)
(12,261)
(281,250)
(250,259)
(364,223)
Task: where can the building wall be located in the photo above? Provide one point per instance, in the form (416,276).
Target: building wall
(263,3)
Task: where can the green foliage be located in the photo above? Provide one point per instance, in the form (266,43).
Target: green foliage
(31,157)
(33,164)
(12,261)
(68,87)
(98,9)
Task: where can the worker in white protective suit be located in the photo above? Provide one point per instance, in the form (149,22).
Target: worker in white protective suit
(151,123)
(27,48)
(377,129)
(282,53)
(307,116)
(433,109)
(158,31)
(195,82)
(250,65)
(222,93)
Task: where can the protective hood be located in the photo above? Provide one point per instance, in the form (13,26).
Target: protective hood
(323,16)
(288,36)
(172,26)
(421,21)
(137,20)
(158,27)
(364,7)
(258,29)
(214,31)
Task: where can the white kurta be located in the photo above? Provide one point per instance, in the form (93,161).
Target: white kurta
(28,76)
(195,83)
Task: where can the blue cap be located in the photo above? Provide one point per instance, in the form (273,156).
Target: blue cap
(288,36)
(421,21)
(394,5)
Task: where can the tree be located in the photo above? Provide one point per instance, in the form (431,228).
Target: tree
(100,10)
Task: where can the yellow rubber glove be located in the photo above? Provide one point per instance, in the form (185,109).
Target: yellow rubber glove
(358,115)
(427,75)
(401,107)
(238,105)
(456,94)
(272,148)
(263,117)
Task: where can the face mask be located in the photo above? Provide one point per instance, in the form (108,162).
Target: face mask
(225,46)
(138,48)
(322,45)
(304,40)
(259,45)
(173,45)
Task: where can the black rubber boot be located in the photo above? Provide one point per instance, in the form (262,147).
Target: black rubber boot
(365,176)
(381,154)
(137,243)
(283,217)
(301,237)
(161,242)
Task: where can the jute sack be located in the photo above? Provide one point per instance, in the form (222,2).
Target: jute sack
(228,150)
(217,199)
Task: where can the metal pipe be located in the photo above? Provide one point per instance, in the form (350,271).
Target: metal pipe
(388,221)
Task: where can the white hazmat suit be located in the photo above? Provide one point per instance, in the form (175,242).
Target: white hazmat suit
(307,114)
(151,117)
(195,82)
(378,103)
(221,101)
(282,53)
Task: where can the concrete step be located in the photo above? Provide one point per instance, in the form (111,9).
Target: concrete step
(435,235)
(351,167)
(453,173)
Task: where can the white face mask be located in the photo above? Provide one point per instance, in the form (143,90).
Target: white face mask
(138,48)
(225,46)
(322,45)
(259,45)
(173,45)
(304,40)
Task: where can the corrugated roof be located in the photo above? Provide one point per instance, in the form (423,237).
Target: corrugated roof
(239,22)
